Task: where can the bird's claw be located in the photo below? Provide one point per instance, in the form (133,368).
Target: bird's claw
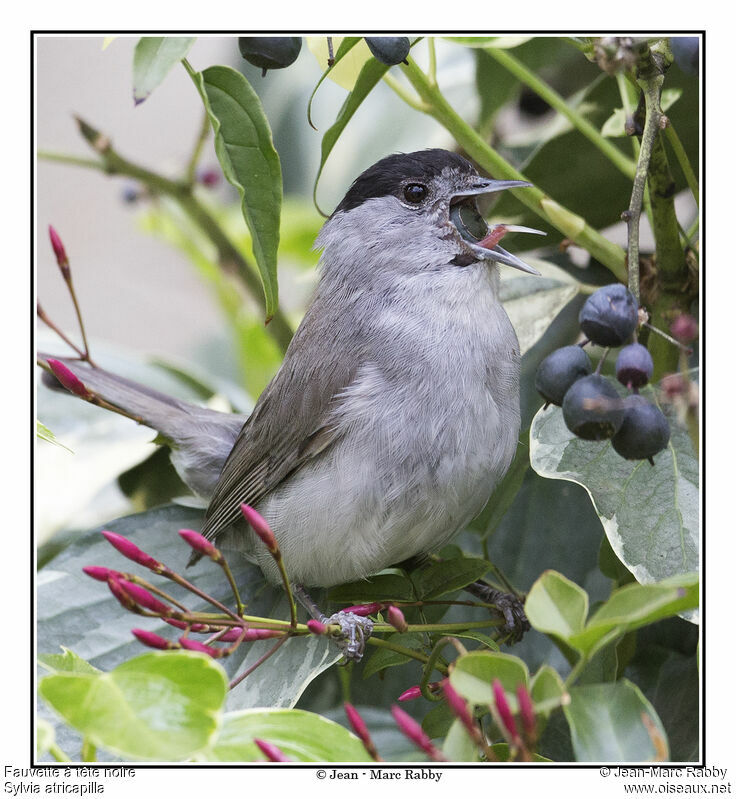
(354,632)
(512,609)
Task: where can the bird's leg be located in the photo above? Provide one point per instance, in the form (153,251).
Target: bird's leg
(354,630)
(509,604)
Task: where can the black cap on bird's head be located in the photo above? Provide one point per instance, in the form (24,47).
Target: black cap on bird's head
(411,178)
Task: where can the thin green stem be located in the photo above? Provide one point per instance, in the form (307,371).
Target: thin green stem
(549,95)
(432,664)
(197,151)
(432,67)
(683,161)
(233,585)
(569,224)
(59,755)
(382,643)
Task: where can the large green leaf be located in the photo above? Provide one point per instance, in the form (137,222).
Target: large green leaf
(443,577)
(158,706)
(244,147)
(614,723)
(650,513)
(301,736)
(153,58)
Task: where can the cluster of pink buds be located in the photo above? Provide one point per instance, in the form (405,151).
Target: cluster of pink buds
(140,596)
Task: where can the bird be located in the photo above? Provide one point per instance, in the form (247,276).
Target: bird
(396,409)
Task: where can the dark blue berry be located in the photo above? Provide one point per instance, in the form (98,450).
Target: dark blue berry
(559,370)
(592,409)
(270,52)
(634,366)
(686,50)
(644,431)
(609,316)
(389,49)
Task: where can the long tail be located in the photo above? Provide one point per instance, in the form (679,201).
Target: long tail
(200,438)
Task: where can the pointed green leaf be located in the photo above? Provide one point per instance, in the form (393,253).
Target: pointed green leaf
(66,662)
(154,56)
(158,706)
(614,723)
(556,605)
(346,45)
(244,147)
(302,736)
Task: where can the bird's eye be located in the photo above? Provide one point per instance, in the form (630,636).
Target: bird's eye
(415,192)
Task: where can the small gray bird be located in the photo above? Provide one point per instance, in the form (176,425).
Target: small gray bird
(395,412)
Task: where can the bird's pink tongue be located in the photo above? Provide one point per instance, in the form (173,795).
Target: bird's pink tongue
(493,237)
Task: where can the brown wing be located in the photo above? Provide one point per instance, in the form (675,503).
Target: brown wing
(289,424)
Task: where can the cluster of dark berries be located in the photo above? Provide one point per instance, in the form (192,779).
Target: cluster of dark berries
(277,52)
(591,406)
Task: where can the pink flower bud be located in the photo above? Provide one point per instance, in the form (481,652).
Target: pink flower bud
(396,619)
(195,646)
(504,711)
(360,729)
(102,573)
(260,527)
(365,610)
(122,596)
(411,693)
(684,328)
(414,732)
(131,551)
(144,598)
(200,544)
(147,638)
(208,177)
(459,707)
(316,627)
(59,252)
(272,752)
(68,379)
(526,711)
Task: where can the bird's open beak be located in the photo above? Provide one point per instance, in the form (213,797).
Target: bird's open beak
(486,246)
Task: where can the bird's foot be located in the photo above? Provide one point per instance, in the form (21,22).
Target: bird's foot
(354,632)
(510,606)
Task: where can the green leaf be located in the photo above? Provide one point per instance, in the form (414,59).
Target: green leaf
(158,706)
(650,513)
(459,746)
(441,578)
(614,723)
(244,147)
(556,605)
(68,662)
(475,672)
(634,606)
(154,56)
(381,588)
(302,736)
(385,658)
(45,738)
(369,76)
(548,691)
